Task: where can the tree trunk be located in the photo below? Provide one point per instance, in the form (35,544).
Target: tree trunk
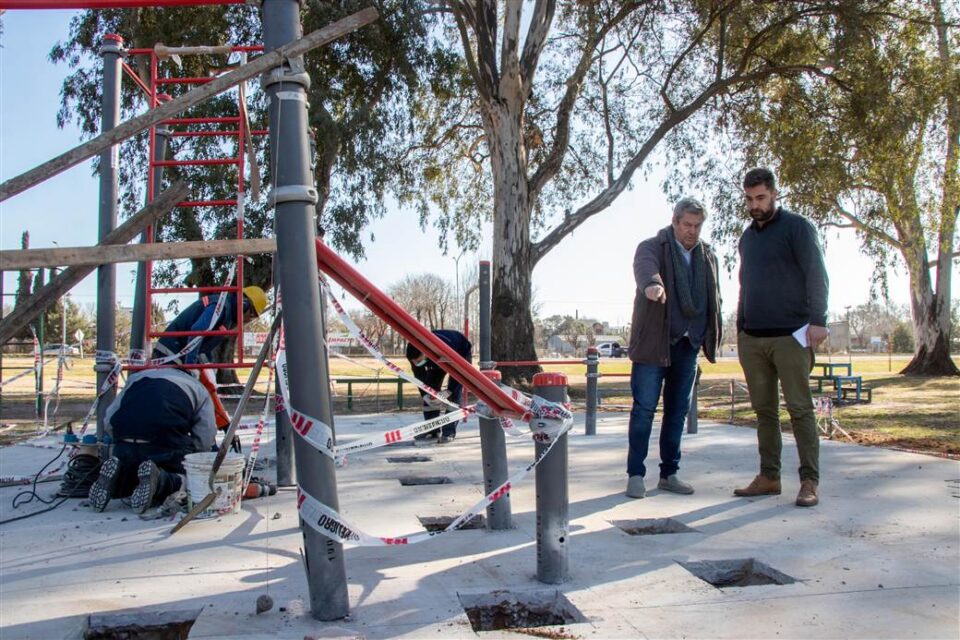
(512,336)
(931,320)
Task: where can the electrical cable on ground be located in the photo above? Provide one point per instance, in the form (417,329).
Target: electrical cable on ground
(32,492)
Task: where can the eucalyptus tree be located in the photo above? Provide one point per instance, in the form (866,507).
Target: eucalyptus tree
(561,103)
(874,147)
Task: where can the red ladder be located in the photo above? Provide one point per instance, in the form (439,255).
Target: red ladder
(236,129)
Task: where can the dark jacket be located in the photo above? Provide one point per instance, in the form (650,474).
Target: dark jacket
(431,374)
(783,280)
(197,317)
(650,329)
(167,408)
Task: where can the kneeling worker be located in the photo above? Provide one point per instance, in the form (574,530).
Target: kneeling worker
(159,417)
(429,373)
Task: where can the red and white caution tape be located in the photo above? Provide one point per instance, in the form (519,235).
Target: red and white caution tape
(328,522)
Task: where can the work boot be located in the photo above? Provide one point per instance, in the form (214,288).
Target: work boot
(635,488)
(102,490)
(761,486)
(808,494)
(673,484)
(149,476)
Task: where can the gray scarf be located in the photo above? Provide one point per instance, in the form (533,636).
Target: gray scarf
(691,290)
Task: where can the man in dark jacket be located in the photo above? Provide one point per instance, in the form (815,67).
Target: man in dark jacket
(676,313)
(429,373)
(159,417)
(199,315)
(781,316)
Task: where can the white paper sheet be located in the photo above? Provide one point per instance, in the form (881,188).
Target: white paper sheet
(801,335)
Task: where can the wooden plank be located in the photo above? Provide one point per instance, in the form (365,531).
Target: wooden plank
(191,98)
(14,260)
(30,308)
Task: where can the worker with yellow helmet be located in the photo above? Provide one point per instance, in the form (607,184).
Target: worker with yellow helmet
(199,315)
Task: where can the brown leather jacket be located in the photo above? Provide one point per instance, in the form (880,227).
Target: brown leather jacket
(650,329)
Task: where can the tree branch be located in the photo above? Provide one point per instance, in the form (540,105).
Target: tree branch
(553,160)
(535,42)
(862,226)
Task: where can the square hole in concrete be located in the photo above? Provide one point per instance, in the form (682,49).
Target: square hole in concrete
(736,573)
(518,610)
(408,459)
(141,625)
(410,481)
(651,526)
(440,523)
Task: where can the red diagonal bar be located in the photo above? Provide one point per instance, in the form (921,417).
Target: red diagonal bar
(418,335)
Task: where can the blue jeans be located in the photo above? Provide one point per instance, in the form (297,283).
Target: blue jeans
(646,381)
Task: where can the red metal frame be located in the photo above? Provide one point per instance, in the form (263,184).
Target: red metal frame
(237,132)
(418,335)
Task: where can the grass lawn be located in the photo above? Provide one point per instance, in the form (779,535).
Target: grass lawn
(912,413)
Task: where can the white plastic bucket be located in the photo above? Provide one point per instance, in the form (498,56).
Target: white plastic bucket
(227,485)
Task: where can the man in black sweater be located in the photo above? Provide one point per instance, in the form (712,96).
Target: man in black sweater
(781,317)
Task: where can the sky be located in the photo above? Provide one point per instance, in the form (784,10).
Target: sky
(589,274)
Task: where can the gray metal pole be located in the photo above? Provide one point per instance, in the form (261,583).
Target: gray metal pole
(593,377)
(692,413)
(295,197)
(493,452)
(140,325)
(111,49)
(552,492)
(485,362)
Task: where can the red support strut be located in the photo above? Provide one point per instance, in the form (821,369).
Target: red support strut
(419,336)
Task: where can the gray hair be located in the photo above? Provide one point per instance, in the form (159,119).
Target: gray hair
(688,205)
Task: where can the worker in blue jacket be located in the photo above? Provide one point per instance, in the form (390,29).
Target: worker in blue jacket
(159,417)
(428,372)
(197,317)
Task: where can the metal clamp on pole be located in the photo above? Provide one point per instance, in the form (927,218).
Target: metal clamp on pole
(292,193)
(294,74)
(493,452)
(552,491)
(593,364)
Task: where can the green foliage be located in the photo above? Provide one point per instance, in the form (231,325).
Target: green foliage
(362,100)
(902,338)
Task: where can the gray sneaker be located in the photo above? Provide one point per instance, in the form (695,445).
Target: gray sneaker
(149,476)
(102,490)
(635,488)
(673,484)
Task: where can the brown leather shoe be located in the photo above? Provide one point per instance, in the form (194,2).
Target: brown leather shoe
(808,494)
(761,486)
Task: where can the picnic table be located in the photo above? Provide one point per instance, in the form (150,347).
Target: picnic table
(351,380)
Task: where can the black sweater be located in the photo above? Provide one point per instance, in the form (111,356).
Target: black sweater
(783,280)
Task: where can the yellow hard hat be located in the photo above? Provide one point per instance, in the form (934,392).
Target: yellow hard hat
(257,297)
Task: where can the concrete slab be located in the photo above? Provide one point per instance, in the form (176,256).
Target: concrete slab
(879,558)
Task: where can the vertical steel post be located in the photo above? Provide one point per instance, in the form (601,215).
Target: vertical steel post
(140,324)
(493,452)
(286,470)
(552,492)
(593,376)
(294,197)
(485,362)
(41,339)
(692,425)
(111,49)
